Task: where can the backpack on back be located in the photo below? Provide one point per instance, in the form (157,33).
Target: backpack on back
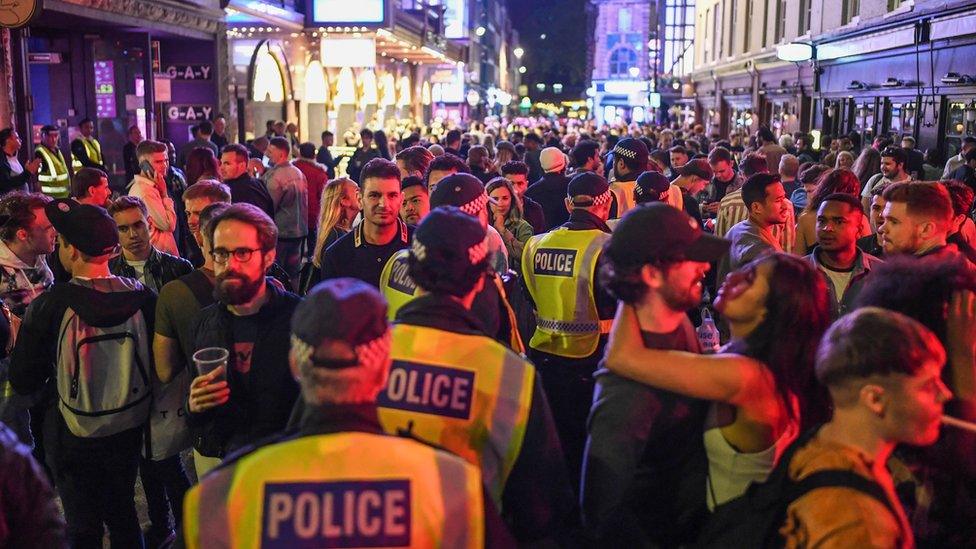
(754,519)
(103,378)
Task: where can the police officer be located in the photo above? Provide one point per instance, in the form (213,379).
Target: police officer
(452,384)
(491,305)
(86,151)
(629,161)
(53,175)
(573,314)
(333,483)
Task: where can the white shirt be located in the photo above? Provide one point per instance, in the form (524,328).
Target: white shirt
(140,268)
(15,167)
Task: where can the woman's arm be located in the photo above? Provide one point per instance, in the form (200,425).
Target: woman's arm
(726,378)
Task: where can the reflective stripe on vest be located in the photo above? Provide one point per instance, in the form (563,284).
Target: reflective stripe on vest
(559,269)
(624,190)
(466,393)
(395,283)
(338,490)
(56,176)
(92,148)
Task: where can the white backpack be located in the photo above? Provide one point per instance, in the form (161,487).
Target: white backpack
(103,376)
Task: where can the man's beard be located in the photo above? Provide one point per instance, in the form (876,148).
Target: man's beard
(236,294)
(681,299)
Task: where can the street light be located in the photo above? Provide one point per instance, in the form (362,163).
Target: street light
(634,72)
(480,31)
(522,70)
(519,52)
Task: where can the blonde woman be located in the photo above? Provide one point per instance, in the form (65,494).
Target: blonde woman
(340,205)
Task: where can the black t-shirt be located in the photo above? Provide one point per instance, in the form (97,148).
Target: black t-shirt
(351,255)
(644,474)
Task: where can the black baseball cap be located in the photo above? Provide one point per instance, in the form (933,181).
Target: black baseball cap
(86,227)
(449,232)
(655,231)
(463,191)
(343,309)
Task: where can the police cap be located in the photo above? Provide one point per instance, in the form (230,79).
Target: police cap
(343,309)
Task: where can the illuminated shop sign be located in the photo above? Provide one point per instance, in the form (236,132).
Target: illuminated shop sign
(348,52)
(344,12)
(105,89)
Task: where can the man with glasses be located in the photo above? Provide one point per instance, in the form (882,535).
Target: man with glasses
(251,397)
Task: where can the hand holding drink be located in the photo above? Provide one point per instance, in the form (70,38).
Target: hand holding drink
(209,389)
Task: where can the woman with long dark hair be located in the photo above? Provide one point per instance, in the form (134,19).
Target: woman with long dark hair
(201,163)
(761,385)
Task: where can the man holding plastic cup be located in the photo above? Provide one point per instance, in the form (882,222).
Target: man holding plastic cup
(250,395)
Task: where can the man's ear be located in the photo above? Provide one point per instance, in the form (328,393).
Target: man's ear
(874,397)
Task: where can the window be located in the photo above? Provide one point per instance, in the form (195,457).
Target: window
(765,27)
(732,21)
(748,29)
(780,20)
(716,30)
(849,10)
(805,8)
(624,19)
(621,60)
(679,38)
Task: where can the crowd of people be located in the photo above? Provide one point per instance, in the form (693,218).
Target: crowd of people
(547,334)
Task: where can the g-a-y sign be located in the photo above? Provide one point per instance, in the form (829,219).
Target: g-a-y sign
(189,113)
(189,72)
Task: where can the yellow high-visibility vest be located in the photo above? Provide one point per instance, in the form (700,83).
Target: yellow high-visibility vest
(624,191)
(396,285)
(466,393)
(94,150)
(559,269)
(55,179)
(349,489)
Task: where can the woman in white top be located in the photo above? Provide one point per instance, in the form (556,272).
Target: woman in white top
(762,384)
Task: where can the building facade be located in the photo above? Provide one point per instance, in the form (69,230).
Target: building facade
(877,67)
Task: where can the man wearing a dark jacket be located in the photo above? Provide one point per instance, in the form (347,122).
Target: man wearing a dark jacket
(550,190)
(243,187)
(518,451)
(250,320)
(93,459)
(139,258)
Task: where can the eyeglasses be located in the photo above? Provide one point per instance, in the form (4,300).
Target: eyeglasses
(241,255)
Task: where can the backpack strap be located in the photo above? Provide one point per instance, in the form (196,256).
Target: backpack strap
(836,478)
(200,286)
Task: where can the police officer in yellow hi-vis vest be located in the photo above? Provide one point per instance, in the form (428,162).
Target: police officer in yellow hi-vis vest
(630,157)
(53,176)
(340,481)
(86,151)
(573,314)
(451,383)
(491,305)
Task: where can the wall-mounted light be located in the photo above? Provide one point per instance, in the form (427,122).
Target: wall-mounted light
(971,112)
(856,85)
(831,109)
(480,31)
(956,78)
(910,111)
(892,82)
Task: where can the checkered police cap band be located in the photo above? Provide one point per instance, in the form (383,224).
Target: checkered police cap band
(472,208)
(370,355)
(476,253)
(625,152)
(585,199)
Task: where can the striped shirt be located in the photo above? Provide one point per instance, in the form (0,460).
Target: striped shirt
(732,210)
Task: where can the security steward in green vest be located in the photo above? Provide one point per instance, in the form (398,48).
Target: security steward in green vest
(340,481)
(86,151)
(451,383)
(491,305)
(53,176)
(573,313)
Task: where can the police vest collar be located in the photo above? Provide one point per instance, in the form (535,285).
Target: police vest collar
(359,237)
(339,418)
(440,313)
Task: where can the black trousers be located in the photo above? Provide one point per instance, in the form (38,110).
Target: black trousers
(165,483)
(97,487)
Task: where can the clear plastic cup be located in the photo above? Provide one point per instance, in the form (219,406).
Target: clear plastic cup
(211,358)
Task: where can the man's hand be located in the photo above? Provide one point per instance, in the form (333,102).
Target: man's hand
(255,167)
(711,207)
(161,185)
(961,344)
(206,394)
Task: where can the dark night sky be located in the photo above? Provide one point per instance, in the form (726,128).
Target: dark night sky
(561,57)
